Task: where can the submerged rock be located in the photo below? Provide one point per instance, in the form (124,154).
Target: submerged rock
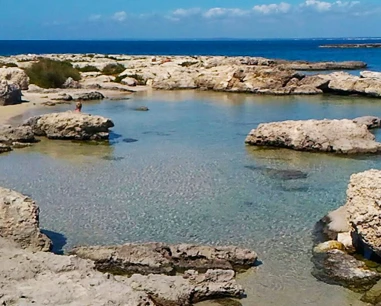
(142,108)
(337,267)
(70,125)
(335,136)
(187,289)
(159,258)
(19,221)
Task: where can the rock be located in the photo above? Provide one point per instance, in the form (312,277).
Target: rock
(9,93)
(188,289)
(370,74)
(63,97)
(345,83)
(364,210)
(129,81)
(370,121)
(9,134)
(35,89)
(90,96)
(70,125)
(315,66)
(19,221)
(335,136)
(46,279)
(15,76)
(5,148)
(20,145)
(338,268)
(329,245)
(142,108)
(159,258)
(70,83)
(373,296)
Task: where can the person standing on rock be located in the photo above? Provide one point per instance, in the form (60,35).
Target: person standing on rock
(78,107)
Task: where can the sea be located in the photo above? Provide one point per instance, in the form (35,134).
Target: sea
(182,173)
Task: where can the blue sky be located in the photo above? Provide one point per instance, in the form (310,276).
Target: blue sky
(154,19)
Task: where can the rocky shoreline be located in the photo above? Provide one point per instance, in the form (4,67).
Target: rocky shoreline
(32,275)
(253,75)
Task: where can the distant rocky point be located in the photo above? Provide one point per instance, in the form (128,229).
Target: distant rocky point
(350,46)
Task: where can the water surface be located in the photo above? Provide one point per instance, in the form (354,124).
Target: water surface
(190,178)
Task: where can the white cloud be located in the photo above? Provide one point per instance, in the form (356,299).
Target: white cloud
(95,17)
(320,6)
(282,7)
(224,12)
(120,16)
(186,12)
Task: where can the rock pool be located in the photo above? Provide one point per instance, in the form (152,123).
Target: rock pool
(181,173)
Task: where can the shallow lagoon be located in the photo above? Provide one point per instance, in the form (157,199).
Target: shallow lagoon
(190,178)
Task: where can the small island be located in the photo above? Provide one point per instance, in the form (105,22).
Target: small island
(352,46)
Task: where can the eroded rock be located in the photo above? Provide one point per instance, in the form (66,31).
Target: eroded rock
(10,134)
(15,76)
(90,96)
(159,258)
(371,122)
(335,136)
(9,93)
(19,221)
(71,125)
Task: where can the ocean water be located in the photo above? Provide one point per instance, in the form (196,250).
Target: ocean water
(181,173)
(302,49)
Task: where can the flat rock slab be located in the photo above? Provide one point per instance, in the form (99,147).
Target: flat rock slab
(334,136)
(70,125)
(187,289)
(19,221)
(371,122)
(159,258)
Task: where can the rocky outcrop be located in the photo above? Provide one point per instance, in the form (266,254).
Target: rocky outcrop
(19,221)
(355,46)
(364,210)
(371,122)
(70,125)
(370,74)
(9,93)
(90,96)
(335,136)
(71,83)
(46,279)
(15,76)
(311,66)
(10,134)
(187,289)
(159,258)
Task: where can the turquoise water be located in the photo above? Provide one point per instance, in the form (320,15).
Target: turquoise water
(190,178)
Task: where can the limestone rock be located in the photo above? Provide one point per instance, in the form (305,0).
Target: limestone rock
(90,96)
(15,76)
(166,259)
(364,209)
(46,279)
(339,268)
(5,148)
(346,83)
(70,125)
(9,93)
(370,121)
(188,289)
(9,134)
(329,245)
(70,83)
(314,66)
(370,74)
(129,81)
(336,136)
(19,221)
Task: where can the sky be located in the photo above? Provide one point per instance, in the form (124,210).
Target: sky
(170,19)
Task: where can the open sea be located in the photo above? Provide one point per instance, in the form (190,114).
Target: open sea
(182,173)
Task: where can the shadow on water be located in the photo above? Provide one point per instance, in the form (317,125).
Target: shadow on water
(59,241)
